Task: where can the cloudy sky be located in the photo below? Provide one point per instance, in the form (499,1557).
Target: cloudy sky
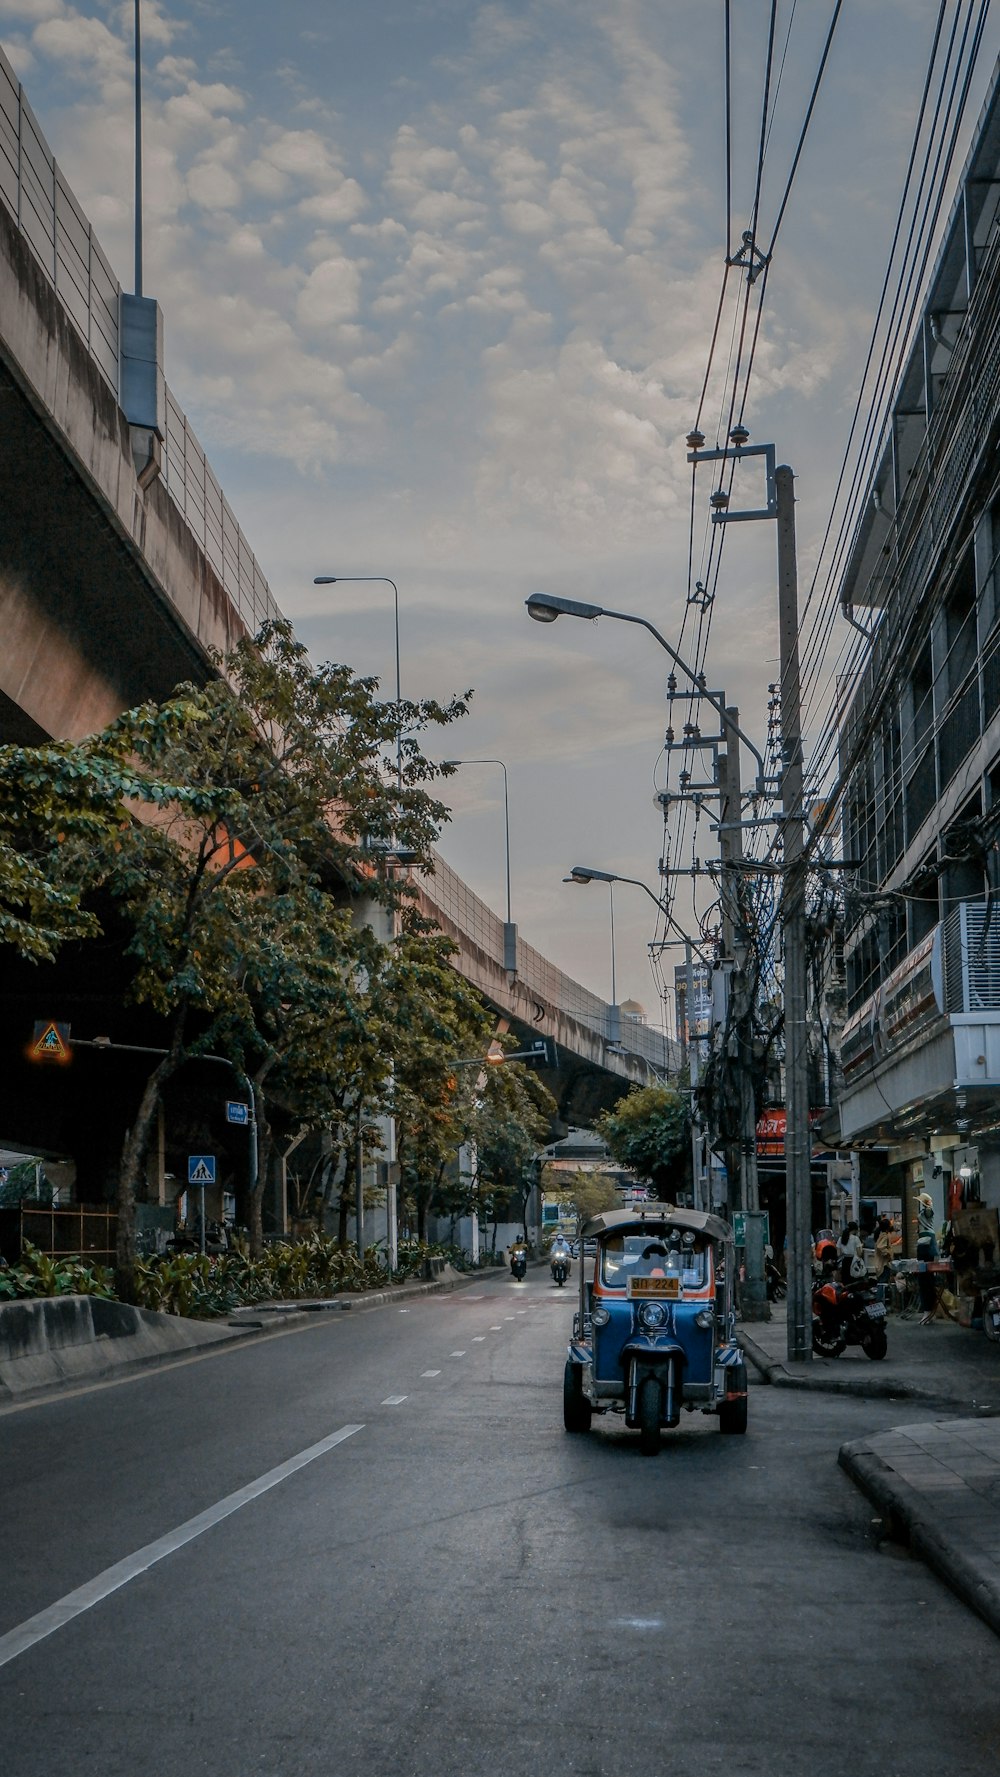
(438,280)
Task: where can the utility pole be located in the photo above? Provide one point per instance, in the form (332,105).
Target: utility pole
(797,1133)
(699,1184)
(754,1288)
(730,845)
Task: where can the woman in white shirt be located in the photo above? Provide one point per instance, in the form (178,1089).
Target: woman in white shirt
(849,1248)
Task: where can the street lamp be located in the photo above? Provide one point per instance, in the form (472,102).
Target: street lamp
(509,930)
(582,877)
(583,873)
(545,608)
(370,580)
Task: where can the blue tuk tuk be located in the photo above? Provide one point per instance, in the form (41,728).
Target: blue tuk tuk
(655,1329)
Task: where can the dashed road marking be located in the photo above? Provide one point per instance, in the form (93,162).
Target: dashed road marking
(456,1354)
(479,1338)
(430,1372)
(394,1400)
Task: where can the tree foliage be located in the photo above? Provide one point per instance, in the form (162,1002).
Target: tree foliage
(287,792)
(591,1192)
(646,1132)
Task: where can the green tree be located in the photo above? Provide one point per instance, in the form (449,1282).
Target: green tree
(434,1021)
(646,1132)
(289,791)
(592,1192)
(512,1118)
(62,805)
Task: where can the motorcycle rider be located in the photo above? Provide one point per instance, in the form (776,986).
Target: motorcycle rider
(518,1251)
(560,1252)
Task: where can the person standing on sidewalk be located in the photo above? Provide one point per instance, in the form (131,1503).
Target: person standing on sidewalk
(883,1247)
(849,1248)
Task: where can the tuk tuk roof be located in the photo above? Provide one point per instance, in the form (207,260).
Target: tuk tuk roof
(698,1221)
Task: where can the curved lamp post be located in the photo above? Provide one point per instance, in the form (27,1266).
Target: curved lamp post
(370,580)
(583,874)
(545,609)
(510,929)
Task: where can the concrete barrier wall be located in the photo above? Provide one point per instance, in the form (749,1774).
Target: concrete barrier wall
(55,1339)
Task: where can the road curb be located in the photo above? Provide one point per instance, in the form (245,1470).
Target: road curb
(877,1387)
(901,1507)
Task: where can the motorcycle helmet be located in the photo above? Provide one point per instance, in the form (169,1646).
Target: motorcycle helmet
(826,1252)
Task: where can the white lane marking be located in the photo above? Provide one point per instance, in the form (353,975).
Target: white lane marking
(430,1372)
(394,1400)
(479,1338)
(18,1640)
(496,1329)
(456,1354)
(521,1311)
(474,1298)
(508,1317)
(404,1311)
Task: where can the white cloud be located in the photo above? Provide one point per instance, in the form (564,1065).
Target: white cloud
(213,186)
(331,295)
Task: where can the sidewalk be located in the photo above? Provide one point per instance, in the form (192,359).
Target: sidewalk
(937,1484)
(944,1364)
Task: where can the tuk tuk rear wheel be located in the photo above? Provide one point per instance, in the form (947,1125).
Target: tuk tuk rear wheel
(648,1414)
(576,1407)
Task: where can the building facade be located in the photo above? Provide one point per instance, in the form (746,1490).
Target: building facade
(920,741)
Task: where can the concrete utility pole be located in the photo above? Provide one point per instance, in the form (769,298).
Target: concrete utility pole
(797,1133)
(699,1184)
(754,1287)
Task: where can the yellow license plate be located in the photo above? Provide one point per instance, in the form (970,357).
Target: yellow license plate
(654,1286)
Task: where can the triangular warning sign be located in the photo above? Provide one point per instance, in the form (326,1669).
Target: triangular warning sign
(202,1174)
(51,1043)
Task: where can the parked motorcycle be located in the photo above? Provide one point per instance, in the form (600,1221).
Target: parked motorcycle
(991,1313)
(847,1314)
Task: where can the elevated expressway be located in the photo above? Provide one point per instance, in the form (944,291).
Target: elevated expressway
(122,566)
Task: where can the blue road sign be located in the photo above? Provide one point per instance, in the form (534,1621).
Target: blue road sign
(237,1113)
(201,1169)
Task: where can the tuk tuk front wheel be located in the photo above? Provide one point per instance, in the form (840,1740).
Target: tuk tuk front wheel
(576,1407)
(648,1414)
(733,1413)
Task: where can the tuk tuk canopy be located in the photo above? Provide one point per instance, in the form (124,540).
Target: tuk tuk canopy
(657,1217)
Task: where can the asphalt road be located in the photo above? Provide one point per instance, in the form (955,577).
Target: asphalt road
(456,1588)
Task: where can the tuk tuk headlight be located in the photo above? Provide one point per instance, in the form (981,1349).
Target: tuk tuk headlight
(705,1317)
(651,1314)
(599,1317)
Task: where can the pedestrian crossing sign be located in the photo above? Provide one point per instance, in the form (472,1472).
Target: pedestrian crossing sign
(201,1169)
(50,1042)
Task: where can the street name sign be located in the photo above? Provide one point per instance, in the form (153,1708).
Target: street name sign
(237,1113)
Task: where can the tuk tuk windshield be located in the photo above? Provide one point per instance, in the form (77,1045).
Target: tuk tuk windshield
(653,1255)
